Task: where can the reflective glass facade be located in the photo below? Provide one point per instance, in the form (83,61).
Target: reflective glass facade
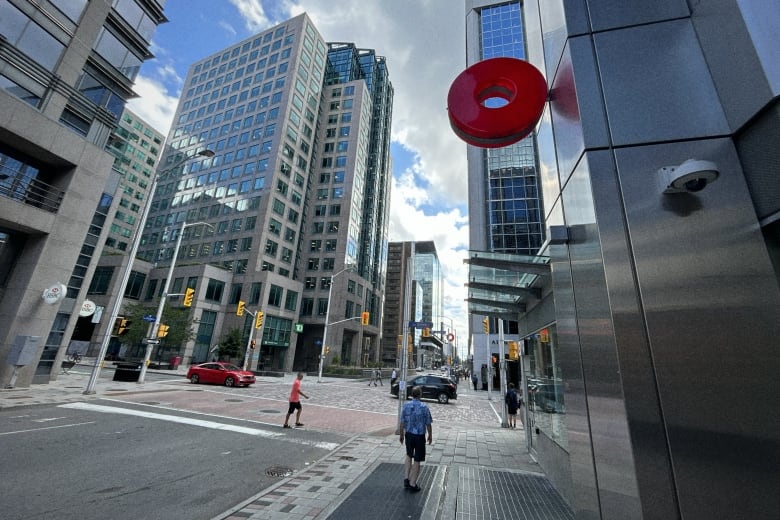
(512,199)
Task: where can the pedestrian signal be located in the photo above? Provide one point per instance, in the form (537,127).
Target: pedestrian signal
(426,332)
(162,330)
(364,318)
(189,295)
(259,319)
(240,308)
(252,344)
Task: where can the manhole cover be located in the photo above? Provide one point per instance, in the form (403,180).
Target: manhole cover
(270,411)
(234,400)
(279,471)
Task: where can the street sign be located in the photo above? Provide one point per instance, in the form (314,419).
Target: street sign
(150,318)
(421,324)
(151,341)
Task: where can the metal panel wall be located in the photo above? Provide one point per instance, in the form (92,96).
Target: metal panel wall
(711,307)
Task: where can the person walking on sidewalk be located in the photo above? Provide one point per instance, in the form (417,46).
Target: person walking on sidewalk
(512,404)
(295,402)
(415,420)
(474,380)
(393,377)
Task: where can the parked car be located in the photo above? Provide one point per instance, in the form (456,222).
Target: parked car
(220,373)
(433,387)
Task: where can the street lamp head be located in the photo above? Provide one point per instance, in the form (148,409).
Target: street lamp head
(206,153)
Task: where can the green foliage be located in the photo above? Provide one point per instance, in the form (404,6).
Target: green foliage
(339,370)
(178,319)
(232,344)
(336,360)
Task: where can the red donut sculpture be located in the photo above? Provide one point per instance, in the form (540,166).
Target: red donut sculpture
(517,82)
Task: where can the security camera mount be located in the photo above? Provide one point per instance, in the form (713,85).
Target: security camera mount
(691,176)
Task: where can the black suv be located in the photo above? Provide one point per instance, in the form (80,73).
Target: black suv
(440,388)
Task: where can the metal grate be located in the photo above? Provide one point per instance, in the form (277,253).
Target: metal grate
(490,494)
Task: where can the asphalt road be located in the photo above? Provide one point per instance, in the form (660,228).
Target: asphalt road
(115,460)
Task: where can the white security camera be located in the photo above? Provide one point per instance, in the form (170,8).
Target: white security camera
(691,176)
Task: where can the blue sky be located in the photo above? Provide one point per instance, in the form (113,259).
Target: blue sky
(423,42)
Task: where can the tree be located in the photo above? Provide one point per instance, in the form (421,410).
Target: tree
(178,319)
(232,344)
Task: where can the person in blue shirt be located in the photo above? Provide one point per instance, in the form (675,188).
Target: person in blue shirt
(415,420)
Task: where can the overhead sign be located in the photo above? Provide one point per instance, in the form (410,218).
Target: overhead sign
(87,308)
(55,293)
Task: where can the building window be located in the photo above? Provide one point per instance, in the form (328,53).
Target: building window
(214,291)
(322,307)
(275,296)
(291,301)
(101,280)
(254,293)
(134,285)
(235,293)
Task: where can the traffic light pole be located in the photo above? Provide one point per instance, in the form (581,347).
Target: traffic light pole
(251,337)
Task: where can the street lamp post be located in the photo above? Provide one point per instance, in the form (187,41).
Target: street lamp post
(90,389)
(164,297)
(327,318)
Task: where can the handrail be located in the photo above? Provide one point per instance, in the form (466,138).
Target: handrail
(17,186)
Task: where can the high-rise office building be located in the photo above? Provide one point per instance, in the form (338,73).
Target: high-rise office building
(504,194)
(425,301)
(66,69)
(656,302)
(292,200)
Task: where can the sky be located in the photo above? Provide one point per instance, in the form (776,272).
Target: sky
(423,42)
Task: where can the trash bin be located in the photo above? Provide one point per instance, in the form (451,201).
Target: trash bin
(175,362)
(127,372)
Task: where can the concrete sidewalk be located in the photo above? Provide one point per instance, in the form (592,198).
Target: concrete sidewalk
(473,470)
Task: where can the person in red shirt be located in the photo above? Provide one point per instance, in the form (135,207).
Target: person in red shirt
(295,402)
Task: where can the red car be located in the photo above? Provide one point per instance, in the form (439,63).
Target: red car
(220,373)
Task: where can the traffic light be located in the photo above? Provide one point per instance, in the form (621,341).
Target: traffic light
(259,319)
(162,330)
(252,344)
(189,294)
(365,317)
(486,326)
(426,332)
(240,308)
(513,350)
(327,350)
(121,326)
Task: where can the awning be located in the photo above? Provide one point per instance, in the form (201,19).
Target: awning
(501,285)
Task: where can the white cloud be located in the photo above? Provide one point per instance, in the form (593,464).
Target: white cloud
(155,105)
(253,14)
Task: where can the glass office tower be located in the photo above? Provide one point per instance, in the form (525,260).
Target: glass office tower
(278,213)
(504,199)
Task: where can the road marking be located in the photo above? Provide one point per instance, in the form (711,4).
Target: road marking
(48,428)
(47,419)
(198,422)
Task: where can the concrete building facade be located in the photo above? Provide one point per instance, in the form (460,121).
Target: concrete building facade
(66,70)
